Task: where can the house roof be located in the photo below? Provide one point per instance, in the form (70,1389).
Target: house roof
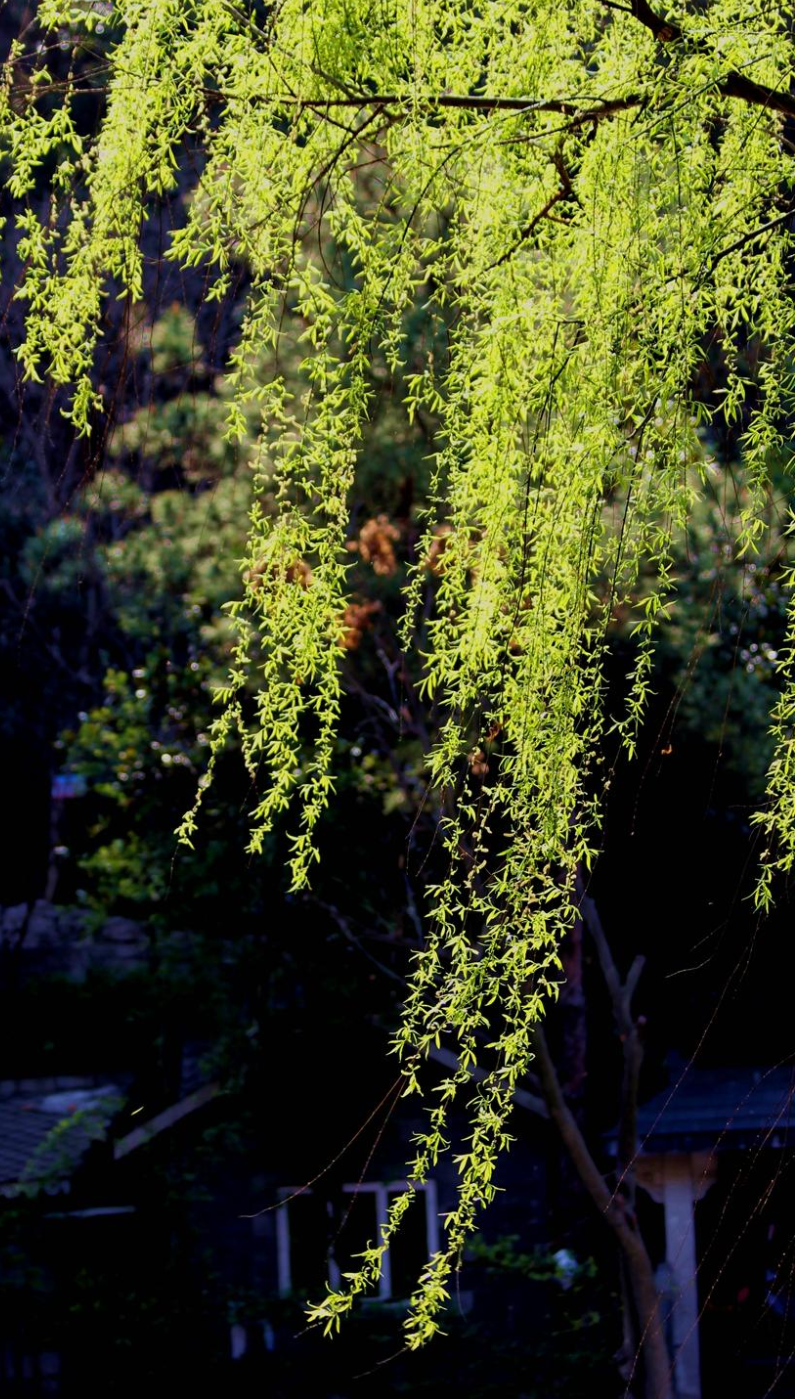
(721,1108)
(47,1125)
(44,1135)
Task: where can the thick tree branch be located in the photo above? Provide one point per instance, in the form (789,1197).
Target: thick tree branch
(580,115)
(734,85)
(621,995)
(757,94)
(573,1139)
(667,31)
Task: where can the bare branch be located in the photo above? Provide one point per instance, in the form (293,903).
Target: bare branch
(608,967)
(621,995)
(633,977)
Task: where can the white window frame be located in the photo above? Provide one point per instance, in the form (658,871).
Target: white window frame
(382,1191)
(283,1268)
(284,1272)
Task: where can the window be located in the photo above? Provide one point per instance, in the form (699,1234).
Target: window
(304,1226)
(319,1239)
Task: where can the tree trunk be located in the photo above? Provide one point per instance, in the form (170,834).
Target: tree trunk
(613,1206)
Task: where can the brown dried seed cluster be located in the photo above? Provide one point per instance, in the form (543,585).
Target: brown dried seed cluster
(478,763)
(298,571)
(435,555)
(355,620)
(376,545)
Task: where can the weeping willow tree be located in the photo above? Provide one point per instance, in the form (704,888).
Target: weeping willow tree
(583,196)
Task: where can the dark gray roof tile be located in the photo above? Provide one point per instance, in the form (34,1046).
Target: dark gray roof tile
(721,1107)
(44,1136)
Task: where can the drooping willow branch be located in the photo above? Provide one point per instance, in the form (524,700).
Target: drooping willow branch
(574,239)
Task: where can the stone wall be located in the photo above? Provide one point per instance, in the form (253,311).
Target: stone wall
(46,939)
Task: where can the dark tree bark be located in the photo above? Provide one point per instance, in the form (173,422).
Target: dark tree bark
(644,1332)
(615,1208)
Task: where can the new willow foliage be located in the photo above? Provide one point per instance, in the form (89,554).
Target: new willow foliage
(582,195)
